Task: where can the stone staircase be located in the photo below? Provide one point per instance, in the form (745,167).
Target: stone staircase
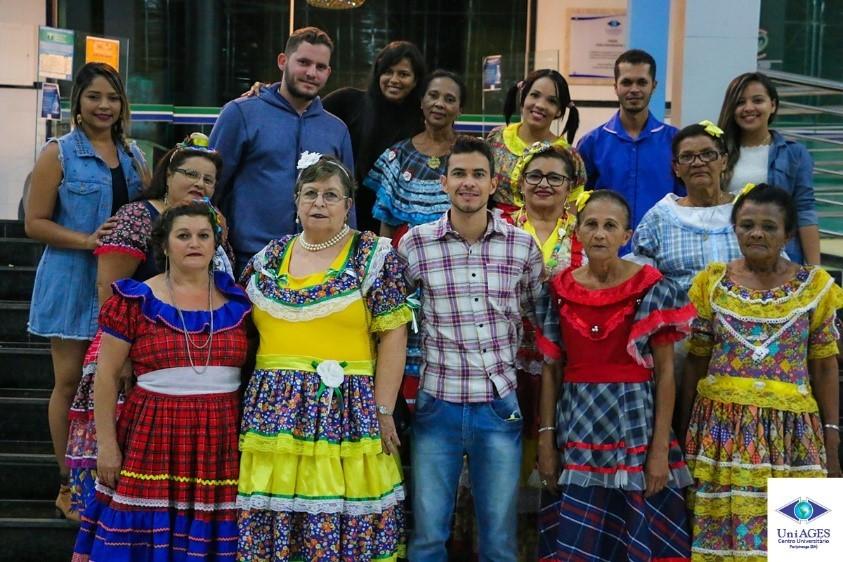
(29,528)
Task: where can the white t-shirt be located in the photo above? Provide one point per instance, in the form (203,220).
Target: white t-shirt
(750,168)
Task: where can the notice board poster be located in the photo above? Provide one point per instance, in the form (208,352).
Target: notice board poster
(100,49)
(55,53)
(595,39)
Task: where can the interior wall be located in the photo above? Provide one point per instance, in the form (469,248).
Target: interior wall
(19,21)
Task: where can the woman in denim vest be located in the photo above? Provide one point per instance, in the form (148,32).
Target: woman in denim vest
(78,182)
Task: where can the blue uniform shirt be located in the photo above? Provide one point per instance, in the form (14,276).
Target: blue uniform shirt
(639,169)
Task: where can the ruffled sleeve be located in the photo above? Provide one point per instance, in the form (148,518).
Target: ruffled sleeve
(381,179)
(822,340)
(664,316)
(132,233)
(548,337)
(645,240)
(385,289)
(119,317)
(702,328)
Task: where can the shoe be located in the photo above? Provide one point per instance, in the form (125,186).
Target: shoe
(63,508)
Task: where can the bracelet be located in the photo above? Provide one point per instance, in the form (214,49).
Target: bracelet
(547,428)
(827,426)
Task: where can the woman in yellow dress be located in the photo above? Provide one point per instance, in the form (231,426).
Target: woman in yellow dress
(319,473)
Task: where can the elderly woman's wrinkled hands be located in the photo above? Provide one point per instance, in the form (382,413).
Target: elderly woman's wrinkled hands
(389,435)
(656,472)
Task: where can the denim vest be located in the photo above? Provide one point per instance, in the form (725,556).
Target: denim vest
(64,298)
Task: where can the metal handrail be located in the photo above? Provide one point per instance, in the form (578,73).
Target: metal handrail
(801,80)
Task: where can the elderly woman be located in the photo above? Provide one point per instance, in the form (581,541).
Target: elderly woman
(186,173)
(681,235)
(758,154)
(317,477)
(167,473)
(542,98)
(762,376)
(608,427)
(78,181)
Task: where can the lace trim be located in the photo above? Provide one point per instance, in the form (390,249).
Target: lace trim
(729,504)
(163,503)
(284,443)
(710,555)
(319,506)
(762,393)
(299,314)
(382,248)
(746,474)
(393,319)
(788,318)
(793,288)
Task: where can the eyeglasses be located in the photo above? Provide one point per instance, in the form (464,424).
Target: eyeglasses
(193,175)
(705,157)
(329,197)
(553,179)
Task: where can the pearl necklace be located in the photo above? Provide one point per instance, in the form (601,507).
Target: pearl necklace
(326,244)
(188,340)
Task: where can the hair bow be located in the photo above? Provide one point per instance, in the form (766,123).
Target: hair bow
(582,199)
(746,189)
(193,141)
(711,128)
(215,217)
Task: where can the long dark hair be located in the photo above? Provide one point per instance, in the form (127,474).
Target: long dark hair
(727,122)
(563,94)
(86,75)
(384,122)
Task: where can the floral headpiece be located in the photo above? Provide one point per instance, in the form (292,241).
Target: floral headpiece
(582,199)
(743,192)
(541,147)
(308,159)
(712,129)
(216,218)
(195,142)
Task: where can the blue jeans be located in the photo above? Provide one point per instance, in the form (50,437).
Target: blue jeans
(490,434)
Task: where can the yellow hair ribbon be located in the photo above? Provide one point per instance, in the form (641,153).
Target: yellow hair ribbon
(746,189)
(582,199)
(711,128)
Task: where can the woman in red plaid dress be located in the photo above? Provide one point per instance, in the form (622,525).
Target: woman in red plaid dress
(167,473)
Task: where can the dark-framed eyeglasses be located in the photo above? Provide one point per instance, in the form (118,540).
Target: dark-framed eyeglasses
(194,175)
(705,157)
(535,177)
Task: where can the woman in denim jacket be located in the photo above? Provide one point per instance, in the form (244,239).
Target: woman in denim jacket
(79,180)
(758,154)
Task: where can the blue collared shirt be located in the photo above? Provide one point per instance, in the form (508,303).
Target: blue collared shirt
(639,169)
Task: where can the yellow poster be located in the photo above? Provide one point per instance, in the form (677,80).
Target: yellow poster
(100,49)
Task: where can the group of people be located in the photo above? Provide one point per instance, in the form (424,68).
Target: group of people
(229,348)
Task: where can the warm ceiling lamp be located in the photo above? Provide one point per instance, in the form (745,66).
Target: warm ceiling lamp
(336,4)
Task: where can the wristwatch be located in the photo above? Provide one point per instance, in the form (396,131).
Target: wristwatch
(384,410)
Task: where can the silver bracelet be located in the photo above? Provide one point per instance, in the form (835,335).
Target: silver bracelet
(827,426)
(547,428)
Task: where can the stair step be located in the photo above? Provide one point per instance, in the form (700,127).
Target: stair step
(28,471)
(14,316)
(25,415)
(12,229)
(16,282)
(38,538)
(26,364)
(20,251)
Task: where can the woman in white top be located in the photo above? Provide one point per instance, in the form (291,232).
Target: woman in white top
(758,154)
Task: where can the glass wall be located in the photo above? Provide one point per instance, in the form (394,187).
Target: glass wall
(202,53)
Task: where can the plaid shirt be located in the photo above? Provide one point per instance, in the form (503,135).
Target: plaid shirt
(472,299)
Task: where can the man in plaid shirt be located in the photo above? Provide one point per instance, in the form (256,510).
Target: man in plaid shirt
(477,274)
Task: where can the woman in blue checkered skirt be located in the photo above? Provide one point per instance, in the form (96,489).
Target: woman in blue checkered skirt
(605,445)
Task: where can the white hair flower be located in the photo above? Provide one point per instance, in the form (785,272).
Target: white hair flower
(307,159)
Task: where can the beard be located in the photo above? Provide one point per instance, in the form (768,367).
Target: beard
(295,91)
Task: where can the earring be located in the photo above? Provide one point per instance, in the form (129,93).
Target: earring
(298,221)
(78,118)
(166,199)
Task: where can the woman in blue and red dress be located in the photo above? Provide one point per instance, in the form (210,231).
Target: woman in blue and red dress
(622,470)
(167,473)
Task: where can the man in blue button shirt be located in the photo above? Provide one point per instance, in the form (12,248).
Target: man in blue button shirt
(631,152)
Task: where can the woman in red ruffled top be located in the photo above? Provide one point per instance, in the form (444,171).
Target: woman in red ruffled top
(606,445)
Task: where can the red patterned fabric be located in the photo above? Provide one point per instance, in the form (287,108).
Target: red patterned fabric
(158,346)
(171,438)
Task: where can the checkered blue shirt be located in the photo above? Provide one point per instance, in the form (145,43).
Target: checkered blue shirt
(473,296)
